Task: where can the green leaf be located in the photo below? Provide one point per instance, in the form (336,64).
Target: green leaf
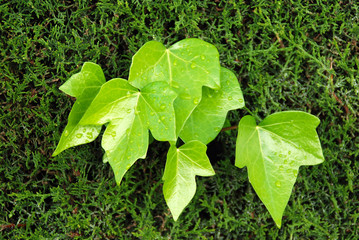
(207,120)
(84,86)
(130,113)
(187,66)
(182,165)
(273,151)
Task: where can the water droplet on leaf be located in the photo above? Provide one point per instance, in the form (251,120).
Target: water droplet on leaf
(193,65)
(277,184)
(89,135)
(162,106)
(203,57)
(230,98)
(185,96)
(79,135)
(295,173)
(196,101)
(113,134)
(174,85)
(175,62)
(66,133)
(163,118)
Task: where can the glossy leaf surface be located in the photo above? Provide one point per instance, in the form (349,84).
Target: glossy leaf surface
(187,66)
(207,119)
(84,86)
(182,166)
(273,151)
(130,114)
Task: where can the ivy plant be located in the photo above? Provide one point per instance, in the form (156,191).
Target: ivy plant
(182,92)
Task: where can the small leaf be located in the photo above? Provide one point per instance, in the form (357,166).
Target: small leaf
(187,66)
(273,151)
(207,119)
(130,114)
(84,86)
(182,165)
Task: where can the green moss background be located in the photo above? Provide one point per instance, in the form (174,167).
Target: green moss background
(298,55)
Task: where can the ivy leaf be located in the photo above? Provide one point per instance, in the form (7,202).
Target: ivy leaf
(273,151)
(207,119)
(84,86)
(130,113)
(182,165)
(187,66)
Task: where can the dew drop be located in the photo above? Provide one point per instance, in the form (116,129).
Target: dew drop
(281,155)
(163,118)
(291,163)
(128,166)
(240,100)
(89,135)
(175,62)
(295,173)
(66,133)
(285,161)
(289,152)
(203,57)
(217,129)
(113,134)
(209,95)
(227,82)
(193,65)
(162,106)
(277,183)
(128,110)
(152,113)
(185,96)
(174,85)
(79,135)
(230,98)
(137,112)
(196,101)
(281,168)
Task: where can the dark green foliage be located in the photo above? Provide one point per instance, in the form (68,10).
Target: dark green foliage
(287,55)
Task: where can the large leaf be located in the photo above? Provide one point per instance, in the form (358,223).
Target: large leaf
(273,151)
(187,66)
(130,114)
(84,86)
(207,119)
(182,166)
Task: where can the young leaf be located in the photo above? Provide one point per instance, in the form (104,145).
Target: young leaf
(130,114)
(207,119)
(182,166)
(187,66)
(273,151)
(84,86)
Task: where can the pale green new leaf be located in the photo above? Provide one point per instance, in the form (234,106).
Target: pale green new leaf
(84,86)
(182,166)
(273,151)
(187,66)
(208,117)
(130,114)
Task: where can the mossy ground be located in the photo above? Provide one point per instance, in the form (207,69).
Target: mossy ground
(298,55)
